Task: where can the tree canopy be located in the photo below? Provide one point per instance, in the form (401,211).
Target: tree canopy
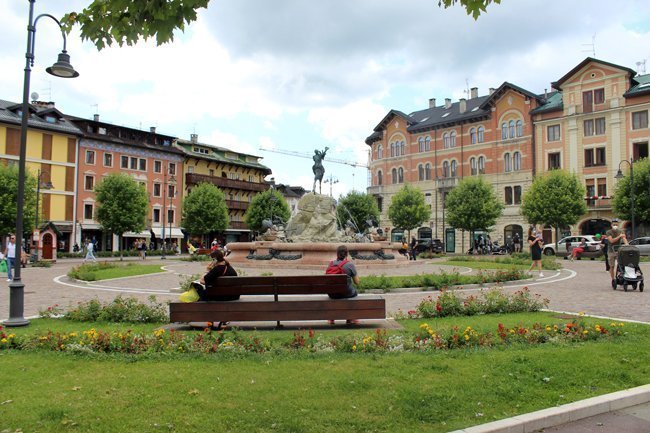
(622,200)
(205,210)
(408,209)
(105,22)
(473,205)
(8,199)
(358,207)
(262,207)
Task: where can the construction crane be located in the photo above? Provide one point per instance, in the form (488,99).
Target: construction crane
(309,156)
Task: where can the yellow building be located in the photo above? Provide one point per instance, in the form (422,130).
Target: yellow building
(52,152)
(240,176)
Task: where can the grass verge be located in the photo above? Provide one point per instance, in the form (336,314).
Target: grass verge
(500,262)
(108,270)
(436,281)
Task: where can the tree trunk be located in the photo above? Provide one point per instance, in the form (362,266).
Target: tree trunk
(557,238)
(119,243)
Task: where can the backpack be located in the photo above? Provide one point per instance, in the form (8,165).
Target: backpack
(333,269)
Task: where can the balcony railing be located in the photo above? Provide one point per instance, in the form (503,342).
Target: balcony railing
(595,203)
(444,183)
(237,205)
(222,182)
(238,225)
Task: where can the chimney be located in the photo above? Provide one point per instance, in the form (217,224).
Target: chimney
(432,102)
(462,106)
(43,104)
(447,103)
(491,90)
(545,93)
(96,117)
(473,92)
(194,138)
(152,129)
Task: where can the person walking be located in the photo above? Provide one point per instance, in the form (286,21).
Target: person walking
(535,243)
(516,241)
(10,255)
(604,246)
(615,238)
(413,249)
(90,248)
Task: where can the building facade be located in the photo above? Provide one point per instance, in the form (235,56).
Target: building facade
(240,176)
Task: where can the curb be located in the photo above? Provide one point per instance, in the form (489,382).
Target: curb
(551,417)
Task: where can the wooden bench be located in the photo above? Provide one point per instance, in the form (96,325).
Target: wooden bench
(278,299)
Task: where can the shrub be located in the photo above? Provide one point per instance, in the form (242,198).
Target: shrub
(88,271)
(120,310)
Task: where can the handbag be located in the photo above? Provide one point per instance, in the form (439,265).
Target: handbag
(190,296)
(3,266)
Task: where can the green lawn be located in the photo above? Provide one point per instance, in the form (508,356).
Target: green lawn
(311,392)
(108,270)
(487,264)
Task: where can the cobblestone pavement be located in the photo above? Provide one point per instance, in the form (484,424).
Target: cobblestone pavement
(580,286)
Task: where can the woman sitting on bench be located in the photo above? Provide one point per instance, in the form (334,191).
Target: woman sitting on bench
(219,267)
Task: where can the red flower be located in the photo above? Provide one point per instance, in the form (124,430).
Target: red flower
(438,306)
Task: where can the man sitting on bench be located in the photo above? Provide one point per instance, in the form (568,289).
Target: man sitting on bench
(342,266)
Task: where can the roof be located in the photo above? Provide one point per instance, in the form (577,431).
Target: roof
(289,191)
(219,154)
(553,102)
(10,113)
(640,86)
(558,84)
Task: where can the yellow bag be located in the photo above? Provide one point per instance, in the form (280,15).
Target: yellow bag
(190,296)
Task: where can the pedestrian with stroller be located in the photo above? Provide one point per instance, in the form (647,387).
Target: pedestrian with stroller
(615,238)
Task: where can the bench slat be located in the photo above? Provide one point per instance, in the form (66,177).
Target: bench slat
(297,285)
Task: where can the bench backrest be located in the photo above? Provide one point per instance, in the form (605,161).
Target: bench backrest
(281,285)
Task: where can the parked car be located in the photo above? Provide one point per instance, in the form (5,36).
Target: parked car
(643,244)
(429,246)
(592,251)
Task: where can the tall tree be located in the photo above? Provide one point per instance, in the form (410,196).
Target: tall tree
(205,210)
(264,206)
(473,205)
(8,193)
(122,205)
(408,209)
(556,198)
(622,198)
(105,22)
(360,208)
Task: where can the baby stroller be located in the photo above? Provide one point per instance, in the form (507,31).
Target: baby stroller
(628,272)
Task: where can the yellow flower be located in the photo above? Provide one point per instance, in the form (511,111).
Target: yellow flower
(424,326)
(354,347)
(12,335)
(73,334)
(466,337)
(621,324)
(585,332)
(4,340)
(582,313)
(548,328)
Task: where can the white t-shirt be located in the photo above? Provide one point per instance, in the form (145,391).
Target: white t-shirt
(11,250)
(90,247)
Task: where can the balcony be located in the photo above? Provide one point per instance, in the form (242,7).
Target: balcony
(237,205)
(595,203)
(375,190)
(446,183)
(238,225)
(192,179)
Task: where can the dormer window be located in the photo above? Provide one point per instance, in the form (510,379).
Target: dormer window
(202,150)
(51,119)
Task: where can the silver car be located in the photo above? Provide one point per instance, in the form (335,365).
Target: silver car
(643,244)
(593,246)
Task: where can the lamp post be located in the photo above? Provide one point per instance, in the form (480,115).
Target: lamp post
(619,175)
(166,183)
(62,68)
(331,180)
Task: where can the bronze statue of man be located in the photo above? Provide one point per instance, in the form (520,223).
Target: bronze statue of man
(318,168)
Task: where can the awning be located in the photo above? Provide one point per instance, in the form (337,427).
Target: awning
(63,228)
(176,232)
(144,234)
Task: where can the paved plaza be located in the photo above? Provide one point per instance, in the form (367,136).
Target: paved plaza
(581,286)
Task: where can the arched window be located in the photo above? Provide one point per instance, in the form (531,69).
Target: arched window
(397,148)
(421,144)
(379,178)
(402,147)
(452,139)
(507,163)
(520,128)
(380,152)
(512,128)
(516,161)
(481,165)
(445,169)
(420,172)
(480,134)
(427,171)
(504,131)
(393,173)
(392,149)
(400,175)
(445,139)
(454,166)
(427,144)
(472,166)
(472,136)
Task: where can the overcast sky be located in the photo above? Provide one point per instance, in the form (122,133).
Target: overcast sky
(299,75)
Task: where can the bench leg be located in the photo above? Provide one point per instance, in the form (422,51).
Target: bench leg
(278,325)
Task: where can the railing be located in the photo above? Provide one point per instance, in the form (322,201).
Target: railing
(238,225)
(237,205)
(222,182)
(595,203)
(446,182)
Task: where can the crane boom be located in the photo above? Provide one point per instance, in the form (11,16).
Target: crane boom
(309,156)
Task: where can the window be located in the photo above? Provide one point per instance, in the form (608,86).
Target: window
(108,160)
(156,215)
(511,127)
(452,139)
(445,169)
(587,101)
(445,140)
(640,150)
(156,189)
(402,148)
(516,161)
(394,175)
(421,171)
(170,216)
(507,163)
(472,136)
(599,126)
(171,191)
(190,169)
(427,144)
(553,133)
(88,211)
(480,134)
(454,166)
(517,195)
(554,161)
(133,163)
(481,165)
(400,175)
(508,195)
(421,144)
(157,166)
(380,152)
(591,191)
(588,127)
(640,119)
(142,164)
(89,183)
(392,149)
(599,96)
(520,128)
(595,156)
(397,148)
(427,171)
(379,178)
(380,203)
(602,187)
(234,176)
(124,162)
(504,131)
(472,166)
(172,169)
(90,157)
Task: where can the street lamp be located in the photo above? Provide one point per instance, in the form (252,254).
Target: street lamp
(331,180)
(62,68)
(166,183)
(619,175)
